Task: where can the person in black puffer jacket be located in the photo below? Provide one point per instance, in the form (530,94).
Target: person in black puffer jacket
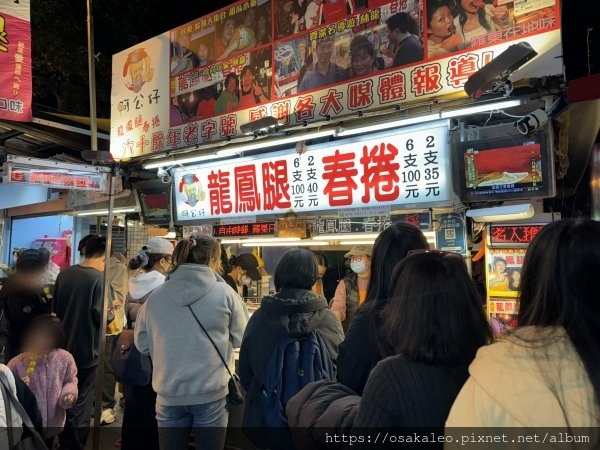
(294,311)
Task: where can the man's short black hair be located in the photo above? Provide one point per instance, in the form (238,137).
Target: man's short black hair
(82,243)
(95,247)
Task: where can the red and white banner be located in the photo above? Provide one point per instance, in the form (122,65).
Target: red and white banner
(201,81)
(15,61)
(409,169)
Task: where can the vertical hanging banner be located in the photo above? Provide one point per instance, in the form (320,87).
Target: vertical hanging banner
(15,61)
(321,60)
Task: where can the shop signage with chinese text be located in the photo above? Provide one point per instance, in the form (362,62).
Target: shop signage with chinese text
(409,169)
(56,178)
(15,61)
(201,81)
(512,235)
(244,230)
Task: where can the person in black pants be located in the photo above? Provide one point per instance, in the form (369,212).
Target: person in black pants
(79,304)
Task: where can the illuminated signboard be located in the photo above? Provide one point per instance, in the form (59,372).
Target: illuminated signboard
(56,178)
(244,230)
(371,224)
(513,234)
(409,169)
(203,80)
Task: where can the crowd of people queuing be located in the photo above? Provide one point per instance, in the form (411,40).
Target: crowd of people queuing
(403,342)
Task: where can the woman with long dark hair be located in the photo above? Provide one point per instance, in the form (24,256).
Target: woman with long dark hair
(364,346)
(547,373)
(434,324)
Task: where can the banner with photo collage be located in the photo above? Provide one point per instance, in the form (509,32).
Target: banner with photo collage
(307,60)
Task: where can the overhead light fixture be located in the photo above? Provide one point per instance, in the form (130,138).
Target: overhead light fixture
(387,125)
(262,125)
(169,162)
(301,243)
(104,212)
(235,150)
(364,242)
(258,240)
(337,237)
(480,108)
(502,213)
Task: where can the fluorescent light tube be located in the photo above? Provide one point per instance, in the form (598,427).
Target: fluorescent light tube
(302,243)
(337,237)
(502,213)
(104,212)
(387,125)
(258,240)
(236,150)
(365,242)
(479,108)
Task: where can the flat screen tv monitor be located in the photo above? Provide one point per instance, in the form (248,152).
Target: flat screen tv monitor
(506,167)
(154,202)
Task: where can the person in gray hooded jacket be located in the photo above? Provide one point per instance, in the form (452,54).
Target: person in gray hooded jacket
(188,375)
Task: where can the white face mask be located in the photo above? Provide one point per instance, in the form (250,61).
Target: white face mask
(245,280)
(358,267)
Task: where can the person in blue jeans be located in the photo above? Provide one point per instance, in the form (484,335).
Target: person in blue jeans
(188,375)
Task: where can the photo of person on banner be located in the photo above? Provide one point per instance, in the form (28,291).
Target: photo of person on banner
(263,28)
(207,103)
(228,101)
(335,10)
(476,18)
(405,46)
(251,92)
(363,60)
(242,38)
(326,72)
(442,37)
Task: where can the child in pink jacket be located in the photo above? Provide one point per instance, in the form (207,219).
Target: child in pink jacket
(49,371)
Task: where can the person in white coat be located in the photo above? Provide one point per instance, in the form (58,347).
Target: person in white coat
(547,373)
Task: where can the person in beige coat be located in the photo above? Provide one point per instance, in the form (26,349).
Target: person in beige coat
(547,373)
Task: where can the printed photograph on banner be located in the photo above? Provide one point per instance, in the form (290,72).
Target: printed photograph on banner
(294,16)
(458,25)
(504,271)
(243,82)
(357,46)
(503,315)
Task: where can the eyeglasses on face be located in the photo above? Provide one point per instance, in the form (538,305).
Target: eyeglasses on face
(357,258)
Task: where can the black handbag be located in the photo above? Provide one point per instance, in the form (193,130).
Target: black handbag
(236,392)
(32,442)
(129,366)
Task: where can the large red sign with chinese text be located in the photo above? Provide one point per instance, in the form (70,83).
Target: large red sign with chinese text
(411,168)
(201,81)
(15,61)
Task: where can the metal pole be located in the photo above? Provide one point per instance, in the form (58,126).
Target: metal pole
(102,331)
(92,76)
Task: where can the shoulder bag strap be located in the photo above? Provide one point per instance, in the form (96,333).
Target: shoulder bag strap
(8,414)
(210,339)
(19,408)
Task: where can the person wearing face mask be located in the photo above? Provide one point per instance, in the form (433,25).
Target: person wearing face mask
(244,270)
(352,290)
(150,266)
(22,298)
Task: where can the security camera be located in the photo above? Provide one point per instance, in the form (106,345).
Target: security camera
(164,175)
(532,122)
(499,69)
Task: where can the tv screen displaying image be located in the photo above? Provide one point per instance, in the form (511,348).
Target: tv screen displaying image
(154,203)
(509,167)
